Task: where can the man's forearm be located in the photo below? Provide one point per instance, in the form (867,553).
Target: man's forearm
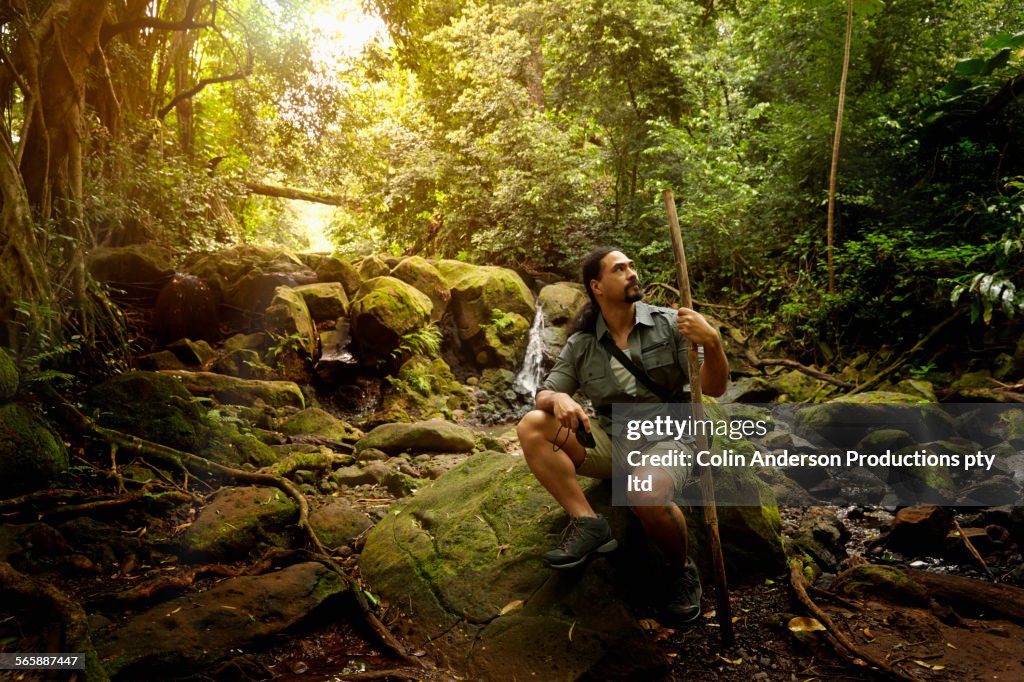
(546,400)
(714,373)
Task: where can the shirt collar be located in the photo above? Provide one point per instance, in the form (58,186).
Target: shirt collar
(642,313)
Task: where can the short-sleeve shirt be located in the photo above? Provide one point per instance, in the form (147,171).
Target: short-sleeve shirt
(655,344)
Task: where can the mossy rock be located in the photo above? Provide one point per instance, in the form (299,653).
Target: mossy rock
(326,301)
(373,266)
(383,311)
(235,391)
(796,387)
(418,272)
(845,421)
(478,291)
(504,341)
(315,421)
(224,443)
(257,341)
(338,523)
(242,363)
(288,317)
(333,268)
(434,435)
(9,377)
(150,405)
(426,388)
(238,521)
(918,388)
(31,453)
(562,302)
(160,361)
(137,264)
(192,352)
(881,583)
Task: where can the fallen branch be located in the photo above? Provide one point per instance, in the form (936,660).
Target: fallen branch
(396,674)
(799,585)
(906,355)
(975,597)
(280,192)
(810,371)
(973,551)
(75,636)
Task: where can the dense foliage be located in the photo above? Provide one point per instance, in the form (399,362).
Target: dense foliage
(525,133)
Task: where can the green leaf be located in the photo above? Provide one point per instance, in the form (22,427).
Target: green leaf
(866,8)
(969,67)
(1005,40)
(998,61)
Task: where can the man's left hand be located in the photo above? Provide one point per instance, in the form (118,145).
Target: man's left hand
(696,328)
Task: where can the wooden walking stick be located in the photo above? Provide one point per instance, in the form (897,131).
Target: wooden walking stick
(707,484)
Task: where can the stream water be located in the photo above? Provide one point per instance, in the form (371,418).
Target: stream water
(531,372)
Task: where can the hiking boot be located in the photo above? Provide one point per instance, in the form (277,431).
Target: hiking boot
(581,538)
(683,604)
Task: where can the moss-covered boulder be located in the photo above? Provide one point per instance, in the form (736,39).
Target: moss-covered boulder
(242,363)
(493,310)
(561,303)
(248,276)
(462,562)
(288,317)
(418,272)
(239,521)
(235,391)
(424,388)
(338,522)
(882,583)
(330,268)
(845,421)
(196,630)
(383,311)
(139,269)
(31,452)
(326,301)
(150,405)
(433,435)
(192,352)
(9,378)
(315,421)
(373,266)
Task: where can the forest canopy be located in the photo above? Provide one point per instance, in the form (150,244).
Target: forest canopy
(525,133)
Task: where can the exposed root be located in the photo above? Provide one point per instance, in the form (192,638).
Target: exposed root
(75,623)
(799,585)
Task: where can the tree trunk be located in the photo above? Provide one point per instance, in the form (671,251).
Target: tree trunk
(833,174)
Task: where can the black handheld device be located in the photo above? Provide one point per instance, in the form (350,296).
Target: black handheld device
(585,438)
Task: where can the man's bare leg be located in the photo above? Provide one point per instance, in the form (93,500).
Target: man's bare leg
(663,521)
(553,453)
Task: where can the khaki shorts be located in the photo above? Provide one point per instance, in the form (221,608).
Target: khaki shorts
(598,462)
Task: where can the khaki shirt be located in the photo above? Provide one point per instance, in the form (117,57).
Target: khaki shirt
(655,344)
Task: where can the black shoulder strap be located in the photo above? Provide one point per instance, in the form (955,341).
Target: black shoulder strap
(641,376)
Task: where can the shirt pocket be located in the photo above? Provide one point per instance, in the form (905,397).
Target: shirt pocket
(658,355)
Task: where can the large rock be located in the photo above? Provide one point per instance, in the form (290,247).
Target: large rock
(561,303)
(334,269)
(314,421)
(140,269)
(186,308)
(383,311)
(462,561)
(150,405)
(288,318)
(327,301)
(235,391)
(845,421)
(373,266)
(416,271)
(239,521)
(198,629)
(9,378)
(423,388)
(493,310)
(247,276)
(338,522)
(31,453)
(434,435)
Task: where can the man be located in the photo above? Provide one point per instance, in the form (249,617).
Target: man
(652,337)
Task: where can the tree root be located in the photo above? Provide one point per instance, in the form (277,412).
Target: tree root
(799,585)
(761,363)
(76,637)
(201,465)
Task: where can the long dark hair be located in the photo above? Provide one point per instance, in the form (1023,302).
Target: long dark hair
(590,269)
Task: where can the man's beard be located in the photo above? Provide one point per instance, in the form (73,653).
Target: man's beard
(634,292)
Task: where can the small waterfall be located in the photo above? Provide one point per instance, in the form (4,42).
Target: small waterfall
(532,370)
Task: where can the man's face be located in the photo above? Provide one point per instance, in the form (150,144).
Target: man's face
(619,281)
